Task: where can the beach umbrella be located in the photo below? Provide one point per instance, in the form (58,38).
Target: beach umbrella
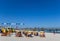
(17,23)
(13,23)
(8,23)
(21,23)
(3,24)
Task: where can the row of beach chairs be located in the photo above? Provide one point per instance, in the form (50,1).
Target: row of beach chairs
(19,33)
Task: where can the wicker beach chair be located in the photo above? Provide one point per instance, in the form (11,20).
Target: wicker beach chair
(42,34)
(36,34)
(18,34)
(4,32)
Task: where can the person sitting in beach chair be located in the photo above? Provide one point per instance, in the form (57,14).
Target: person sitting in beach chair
(29,34)
(35,33)
(18,34)
(42,34)
(25,33)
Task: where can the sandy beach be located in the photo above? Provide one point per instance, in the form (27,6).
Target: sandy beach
(49,37)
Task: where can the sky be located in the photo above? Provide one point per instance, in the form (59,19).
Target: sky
(39,13)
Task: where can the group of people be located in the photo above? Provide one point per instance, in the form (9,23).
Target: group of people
(30,34)
(18,33)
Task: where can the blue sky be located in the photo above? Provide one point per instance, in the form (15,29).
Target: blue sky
(43,13)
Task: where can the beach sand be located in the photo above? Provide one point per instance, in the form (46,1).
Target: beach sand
(49,37)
